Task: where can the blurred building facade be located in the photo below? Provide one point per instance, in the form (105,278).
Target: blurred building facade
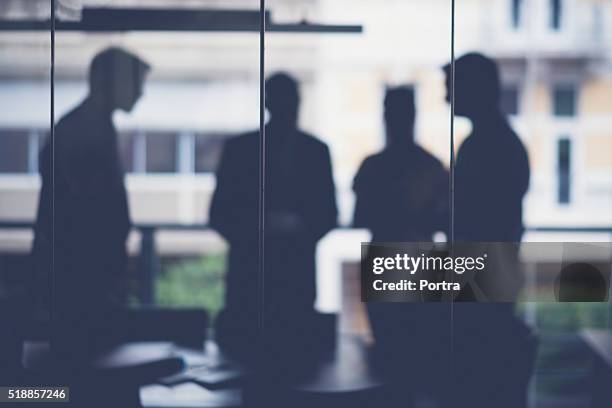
(555,58)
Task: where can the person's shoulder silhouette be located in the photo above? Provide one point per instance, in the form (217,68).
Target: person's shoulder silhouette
(412,181)
(289,152)
(492,167)
(85,137)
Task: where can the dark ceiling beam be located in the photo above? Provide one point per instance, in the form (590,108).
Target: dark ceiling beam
(140,19)
(306,27)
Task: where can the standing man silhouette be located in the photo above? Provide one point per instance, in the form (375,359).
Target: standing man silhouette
(492,168)
(300,208)
(491,179)
(83,217)
(402,196)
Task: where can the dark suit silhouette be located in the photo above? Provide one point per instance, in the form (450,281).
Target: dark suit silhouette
(83,217)
(300,208)
(491,178)
(402,196)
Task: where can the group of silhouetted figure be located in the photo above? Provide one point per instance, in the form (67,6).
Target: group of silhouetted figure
(470,355)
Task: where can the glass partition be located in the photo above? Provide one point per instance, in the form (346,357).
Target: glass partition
(25,123)
(357,134)
(540,168)
(149,99)
(214,169)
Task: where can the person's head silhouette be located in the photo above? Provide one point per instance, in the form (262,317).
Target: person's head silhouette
(399,116)
(282,99)
(477,86)
(116,79)
(582,282)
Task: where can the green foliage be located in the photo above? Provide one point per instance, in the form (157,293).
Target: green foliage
(193,282)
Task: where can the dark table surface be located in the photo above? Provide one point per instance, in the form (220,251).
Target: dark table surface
(208,378)
(345,371)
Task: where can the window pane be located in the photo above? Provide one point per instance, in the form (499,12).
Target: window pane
(510,100)
(555,14)
(127,148)
(208,151)
(516,12)
(161,152)
(564,153)
(13,151)
(564,101)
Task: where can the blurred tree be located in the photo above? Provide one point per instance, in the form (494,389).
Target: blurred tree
(193,282)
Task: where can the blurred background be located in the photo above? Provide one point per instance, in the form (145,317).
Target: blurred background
(555,59)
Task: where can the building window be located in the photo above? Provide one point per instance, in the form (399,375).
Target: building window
(208,151)
(14,151)
(169,152)
(161,151)
(516,13)
(510,100)
(556,14)
(564,154)
(564,101)
(127,142)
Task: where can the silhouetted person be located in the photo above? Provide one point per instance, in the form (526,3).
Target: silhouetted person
(491,179)
(492,167)
(401,192)
(83,217)
(402,196)
(300,208)
(582,282)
